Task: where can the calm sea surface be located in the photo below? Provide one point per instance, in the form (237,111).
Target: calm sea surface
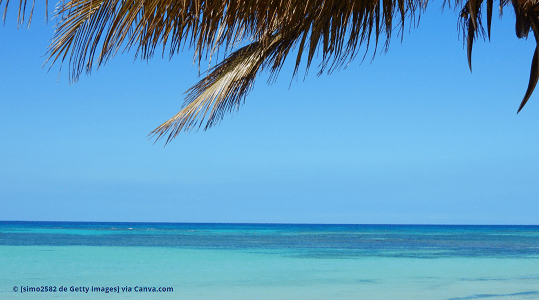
(266,261)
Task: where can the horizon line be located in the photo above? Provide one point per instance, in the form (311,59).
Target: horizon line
(271,223)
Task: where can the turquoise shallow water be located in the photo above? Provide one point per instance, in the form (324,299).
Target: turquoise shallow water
(253,261)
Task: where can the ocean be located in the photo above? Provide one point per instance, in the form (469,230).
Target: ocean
(86,260)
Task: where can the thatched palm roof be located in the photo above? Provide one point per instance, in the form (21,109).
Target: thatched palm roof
(271,29)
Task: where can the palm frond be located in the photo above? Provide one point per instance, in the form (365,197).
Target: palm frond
(224,88)
(338,27)
(22,12)
(90,32)
(534,76)
(472,25)
(490,3)
(534,73)
(522,22)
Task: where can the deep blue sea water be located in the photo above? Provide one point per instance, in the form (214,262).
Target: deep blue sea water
(269,261)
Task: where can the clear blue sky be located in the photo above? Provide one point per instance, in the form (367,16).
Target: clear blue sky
(412,138)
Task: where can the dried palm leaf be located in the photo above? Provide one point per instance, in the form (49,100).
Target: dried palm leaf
(224,88)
